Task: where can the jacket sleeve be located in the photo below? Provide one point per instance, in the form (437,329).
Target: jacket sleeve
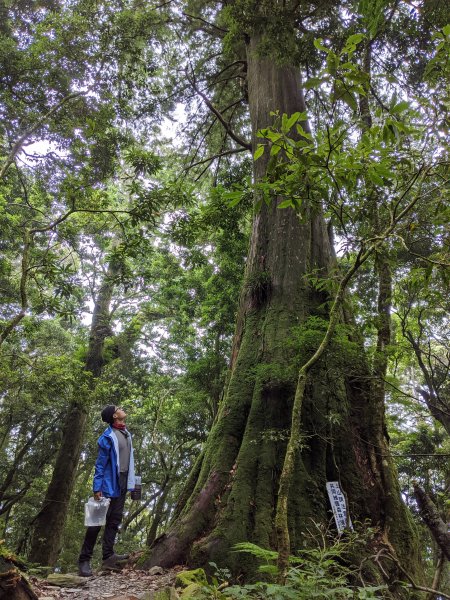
(100,464)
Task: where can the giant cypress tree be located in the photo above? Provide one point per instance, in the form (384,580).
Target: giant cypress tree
(232,493)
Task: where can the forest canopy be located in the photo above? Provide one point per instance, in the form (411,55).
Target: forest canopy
(230,218)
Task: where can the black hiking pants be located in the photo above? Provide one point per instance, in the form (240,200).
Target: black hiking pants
(113,520)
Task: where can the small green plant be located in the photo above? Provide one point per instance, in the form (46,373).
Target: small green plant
(321,572)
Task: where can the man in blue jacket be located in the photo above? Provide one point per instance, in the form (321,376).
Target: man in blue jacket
(114,476)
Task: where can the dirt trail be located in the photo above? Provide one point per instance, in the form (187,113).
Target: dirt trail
(128,584)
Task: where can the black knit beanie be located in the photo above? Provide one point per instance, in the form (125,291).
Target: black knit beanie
(107,414)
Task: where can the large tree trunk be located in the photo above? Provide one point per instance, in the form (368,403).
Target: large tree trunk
(49,523)
(234,497)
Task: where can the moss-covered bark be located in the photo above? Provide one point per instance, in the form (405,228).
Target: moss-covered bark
(342,423)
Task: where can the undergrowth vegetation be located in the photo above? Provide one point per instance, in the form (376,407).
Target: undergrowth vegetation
(327,570)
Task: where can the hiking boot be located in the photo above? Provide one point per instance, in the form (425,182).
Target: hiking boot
(112,561)
(84,569)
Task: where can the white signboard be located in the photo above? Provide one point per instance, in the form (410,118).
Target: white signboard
(339,506)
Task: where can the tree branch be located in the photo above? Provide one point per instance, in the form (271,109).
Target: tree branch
(432,518)
(212,25)
(412,583)
(211,158)
(425,258)
(22,139)
(221,118)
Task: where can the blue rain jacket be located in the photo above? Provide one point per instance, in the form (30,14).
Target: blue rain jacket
(106,476)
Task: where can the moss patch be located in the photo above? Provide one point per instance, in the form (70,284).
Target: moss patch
(186,578)
(193,590)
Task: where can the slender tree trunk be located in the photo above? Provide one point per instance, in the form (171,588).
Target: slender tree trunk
(235,490)
(159,510)
(9,478)
(135,514)
(49,524)
(439,570)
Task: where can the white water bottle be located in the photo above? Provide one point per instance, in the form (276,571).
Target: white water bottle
(95,512)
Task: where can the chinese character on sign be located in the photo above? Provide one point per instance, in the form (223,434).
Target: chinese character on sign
(338,504)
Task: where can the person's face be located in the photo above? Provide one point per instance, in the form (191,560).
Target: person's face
(119,414)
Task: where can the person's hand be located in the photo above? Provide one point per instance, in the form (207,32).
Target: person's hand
(97,496)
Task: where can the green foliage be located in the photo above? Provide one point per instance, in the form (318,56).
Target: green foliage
(103,188)
(316,573)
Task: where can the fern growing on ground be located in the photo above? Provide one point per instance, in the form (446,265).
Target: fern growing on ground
(322,572)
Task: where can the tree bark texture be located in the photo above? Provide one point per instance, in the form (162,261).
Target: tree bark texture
(234,493)
(49,524)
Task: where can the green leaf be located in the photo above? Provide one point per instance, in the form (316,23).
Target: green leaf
(332,63)
(313,82)
(259,151)
(356,38)
(318,43)
(233,198)
(340,92)
(273,136)
(291,121)
(275,149)
(350,100)
(400,107)
(374,177)
(352,42)
(384,171)
(388,134)
(303,133)
(446,30)
(286,204)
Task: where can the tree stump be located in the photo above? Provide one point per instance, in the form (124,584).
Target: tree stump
(13,585)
